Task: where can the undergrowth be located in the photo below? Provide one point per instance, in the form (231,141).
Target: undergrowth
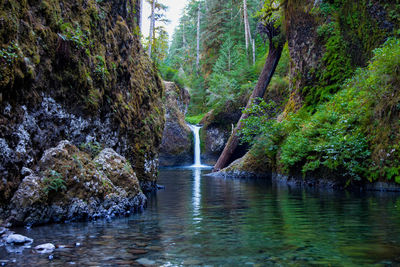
(354,134)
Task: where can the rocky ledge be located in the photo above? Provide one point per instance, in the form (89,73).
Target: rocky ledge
(177,143)
(251,166)
(71,185)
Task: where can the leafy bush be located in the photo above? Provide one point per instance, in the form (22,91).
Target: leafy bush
(345,133)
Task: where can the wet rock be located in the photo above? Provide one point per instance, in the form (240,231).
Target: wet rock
(146,262)
(138,251)
(4,262)
(160,187)
(155,248)
(141,244)
(177,143)
(192,262)
(73,187)
(2,230)
(118,170)
(17,239)
(45,248)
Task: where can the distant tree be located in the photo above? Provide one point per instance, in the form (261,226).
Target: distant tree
(157,15)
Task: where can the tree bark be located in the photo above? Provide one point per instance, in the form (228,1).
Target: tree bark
(272,61)
(198,40)
(254,51)
(152,22)
(246,22)
(139,15)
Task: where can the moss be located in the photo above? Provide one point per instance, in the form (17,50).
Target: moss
(349,32)
(85,55)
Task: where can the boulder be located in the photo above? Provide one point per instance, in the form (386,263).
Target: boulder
(70,186)
(17,239)
(177,142)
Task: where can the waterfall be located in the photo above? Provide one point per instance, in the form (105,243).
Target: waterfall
(196,129)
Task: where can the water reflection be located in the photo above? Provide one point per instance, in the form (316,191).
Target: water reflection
(196,194)
(199,220)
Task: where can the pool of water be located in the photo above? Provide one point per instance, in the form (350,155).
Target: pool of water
(199,220)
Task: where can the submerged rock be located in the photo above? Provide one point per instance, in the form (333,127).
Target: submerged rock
(45,248)
(146,262)
(70,186)
(17,239)
(177,143)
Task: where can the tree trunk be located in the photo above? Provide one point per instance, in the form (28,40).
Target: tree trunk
(254,52)
(139,15)
(152,22)
(183,35)
(198,40)
(246,21)
(265,77)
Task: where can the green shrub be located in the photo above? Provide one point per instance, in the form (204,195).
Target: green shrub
(344,134)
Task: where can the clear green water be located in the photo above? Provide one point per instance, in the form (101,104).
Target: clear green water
(200,220)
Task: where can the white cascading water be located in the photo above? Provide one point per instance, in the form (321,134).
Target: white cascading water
(196,129)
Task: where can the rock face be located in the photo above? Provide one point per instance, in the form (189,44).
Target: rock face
(75,70)
(217,128)
(177,142)
(69,185)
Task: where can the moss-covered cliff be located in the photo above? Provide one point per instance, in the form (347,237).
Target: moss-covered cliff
(341,120)
(75,70)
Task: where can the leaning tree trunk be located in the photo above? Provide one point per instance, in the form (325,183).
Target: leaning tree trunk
(274,55)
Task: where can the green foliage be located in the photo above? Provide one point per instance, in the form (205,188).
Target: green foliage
(75,34)
(93,148)
(225,66)
(54,182)
(170,74)
(349,33)
(101,69)
(342,134)
(195,119)
(260,129)
(228,73)
(10,53)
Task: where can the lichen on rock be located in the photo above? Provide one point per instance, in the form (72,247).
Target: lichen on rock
(68,185)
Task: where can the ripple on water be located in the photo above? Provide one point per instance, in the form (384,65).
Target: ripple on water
(198,220)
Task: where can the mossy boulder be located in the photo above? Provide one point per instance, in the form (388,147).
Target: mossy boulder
(69,185)
(177,142)
(251,165)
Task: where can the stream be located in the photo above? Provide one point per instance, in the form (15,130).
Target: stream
(200,220)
